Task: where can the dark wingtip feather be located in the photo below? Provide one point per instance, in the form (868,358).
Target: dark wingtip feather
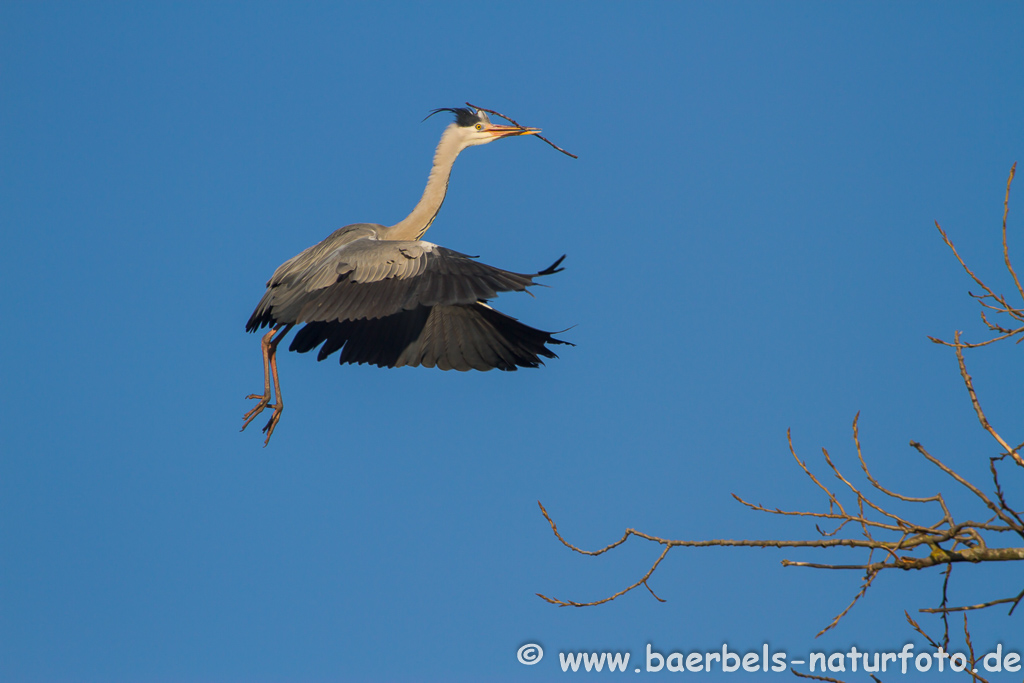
(259,318)
(553,268)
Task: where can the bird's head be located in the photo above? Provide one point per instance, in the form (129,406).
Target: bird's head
(473,127)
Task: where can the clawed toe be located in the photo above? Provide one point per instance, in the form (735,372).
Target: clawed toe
(257,409)
(272,423)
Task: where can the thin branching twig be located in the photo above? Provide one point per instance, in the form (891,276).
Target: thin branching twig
(945,610)
(516,123)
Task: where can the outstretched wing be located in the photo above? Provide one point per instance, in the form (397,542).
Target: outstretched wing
(367,279)
(449,337)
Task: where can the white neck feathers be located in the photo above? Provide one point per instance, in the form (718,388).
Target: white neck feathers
(416,223)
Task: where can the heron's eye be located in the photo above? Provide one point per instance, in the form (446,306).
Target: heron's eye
(479,126)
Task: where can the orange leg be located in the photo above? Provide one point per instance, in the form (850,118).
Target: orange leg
(269,344)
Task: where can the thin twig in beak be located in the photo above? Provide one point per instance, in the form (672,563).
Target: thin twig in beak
(516,123)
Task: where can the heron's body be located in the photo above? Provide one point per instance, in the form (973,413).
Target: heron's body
(383,296)
(399,302)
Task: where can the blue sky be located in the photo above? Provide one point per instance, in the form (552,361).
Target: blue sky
(750,249)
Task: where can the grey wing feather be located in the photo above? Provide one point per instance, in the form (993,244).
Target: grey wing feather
(352,275)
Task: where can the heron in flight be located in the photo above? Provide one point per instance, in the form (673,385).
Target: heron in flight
(384,296)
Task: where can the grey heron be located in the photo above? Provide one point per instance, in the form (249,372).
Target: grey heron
(381,295)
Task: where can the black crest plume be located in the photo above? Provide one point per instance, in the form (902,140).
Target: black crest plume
(463,116)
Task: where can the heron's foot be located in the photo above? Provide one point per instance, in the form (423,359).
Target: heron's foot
(272,423)
(257,409)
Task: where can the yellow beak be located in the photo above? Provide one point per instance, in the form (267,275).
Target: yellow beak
(509,131)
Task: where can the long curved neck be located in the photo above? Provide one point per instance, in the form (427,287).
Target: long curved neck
(416,223)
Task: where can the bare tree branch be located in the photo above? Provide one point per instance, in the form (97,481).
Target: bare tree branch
(1006,250)
(974,660)
(971,487)
(868,578)
(945,601)
(977,406)
(944,610)
(914,625)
